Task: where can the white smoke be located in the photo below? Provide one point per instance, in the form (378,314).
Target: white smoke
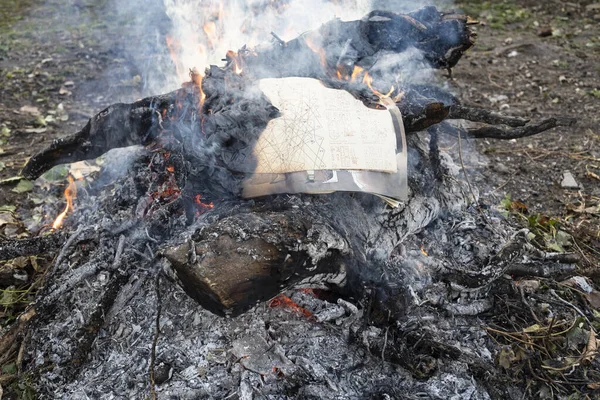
(204,30)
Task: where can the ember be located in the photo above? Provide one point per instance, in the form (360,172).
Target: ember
(283,301)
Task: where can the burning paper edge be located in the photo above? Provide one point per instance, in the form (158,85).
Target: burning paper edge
(390,187)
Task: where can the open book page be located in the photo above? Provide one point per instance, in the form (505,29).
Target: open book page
(326,140)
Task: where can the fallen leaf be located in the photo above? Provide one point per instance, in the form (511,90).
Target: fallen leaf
(532,328)
(593,298)
(23,186)
(36,130)
(7,218)
(594,386)
(591,348)
(505,357)
(30,110)
(81,169)
(10,208)
(58,173)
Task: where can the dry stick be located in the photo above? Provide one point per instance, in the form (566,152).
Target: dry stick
(573,307)
(155,341)
(67,245)
(12,248)
(118,253)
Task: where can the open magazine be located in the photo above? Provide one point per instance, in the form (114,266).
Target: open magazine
(326,140)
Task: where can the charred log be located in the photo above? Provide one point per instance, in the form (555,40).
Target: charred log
(12,248)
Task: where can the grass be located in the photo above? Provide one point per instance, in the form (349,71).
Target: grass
(497,14)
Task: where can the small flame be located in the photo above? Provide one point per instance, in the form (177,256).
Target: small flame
(236,60)
(356,73)
(70,195)
(424,252)
(210,29)
(369,81)
(174,47)
(196,78)
(318,50)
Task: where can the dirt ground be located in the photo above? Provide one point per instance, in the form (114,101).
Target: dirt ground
(63,61)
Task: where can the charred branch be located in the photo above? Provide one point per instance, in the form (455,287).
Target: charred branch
(441,37)
(494,132)
(12,248)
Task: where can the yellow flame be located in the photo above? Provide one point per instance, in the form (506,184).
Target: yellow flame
(368,80)
(356,73)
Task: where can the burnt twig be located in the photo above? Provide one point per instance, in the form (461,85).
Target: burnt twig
(475,114)
(520,132)
(40,245)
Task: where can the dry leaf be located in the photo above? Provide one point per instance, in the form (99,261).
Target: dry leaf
(36,130)
(532,328)
(593,298)
(591,348)
(30,110)
(81,169)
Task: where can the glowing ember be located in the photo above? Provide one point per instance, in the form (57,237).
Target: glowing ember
(203,206)
(70,195)
(284,301)
(424,252)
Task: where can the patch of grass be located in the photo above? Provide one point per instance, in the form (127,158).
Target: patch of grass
(497,14)
(595,93)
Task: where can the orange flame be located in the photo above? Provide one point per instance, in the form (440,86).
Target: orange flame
(424,252)
(70,195)
(203,206)
(356,73)
(317,49)
(211,33)
(369,81)
(174,47)
(236,60)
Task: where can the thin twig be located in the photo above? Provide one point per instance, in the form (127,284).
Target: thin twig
(280,40)
(385,340)
(67,245)
(155,341)
(573,307)
(118,253)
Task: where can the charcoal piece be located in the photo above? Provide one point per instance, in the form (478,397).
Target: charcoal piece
(228,269)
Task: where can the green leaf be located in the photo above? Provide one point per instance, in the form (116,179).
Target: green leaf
(58,173)
(9,208)
(10,369)
(23,186)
